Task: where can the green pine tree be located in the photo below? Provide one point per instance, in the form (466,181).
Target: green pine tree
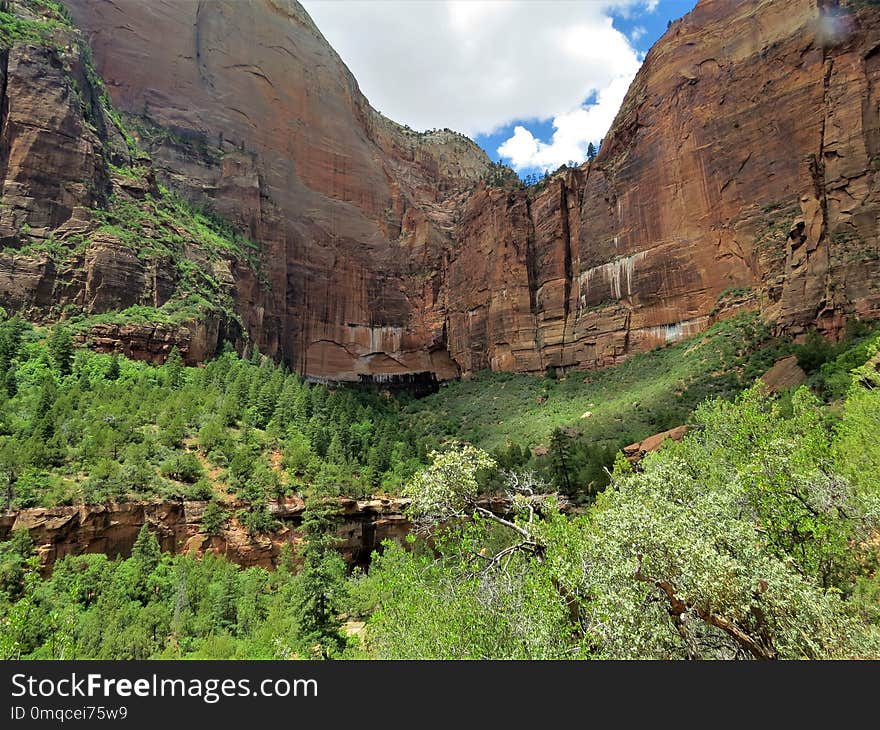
(145,556)
(174,368)
(113,370)
(561,459)
(61,349)
(320,584)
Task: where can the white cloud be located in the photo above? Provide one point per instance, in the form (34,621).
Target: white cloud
(479,65)
(573,132)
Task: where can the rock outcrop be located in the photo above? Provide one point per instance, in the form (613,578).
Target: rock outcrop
(636,452)
(113,528)
(785,374)
(740,172)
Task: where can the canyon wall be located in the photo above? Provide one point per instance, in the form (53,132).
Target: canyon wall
(245,107)
(63,160)
(741,171)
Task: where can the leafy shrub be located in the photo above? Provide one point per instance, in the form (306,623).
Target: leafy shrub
(183,467)
(814,352)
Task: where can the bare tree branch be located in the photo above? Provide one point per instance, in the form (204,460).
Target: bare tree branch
(677,608)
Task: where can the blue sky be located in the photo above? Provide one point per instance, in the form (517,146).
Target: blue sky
(642,26)
(537,79)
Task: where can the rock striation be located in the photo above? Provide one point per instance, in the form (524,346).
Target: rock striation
(741,172)
(245,108)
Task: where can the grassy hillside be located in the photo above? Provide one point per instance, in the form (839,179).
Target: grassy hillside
(650,392)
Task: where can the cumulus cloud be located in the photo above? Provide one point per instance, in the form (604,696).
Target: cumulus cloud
(572,132)
(477,66)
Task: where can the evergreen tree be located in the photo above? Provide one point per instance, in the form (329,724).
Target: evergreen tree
(285,408)
(113,370)
(561,459)
(61,349)
(174,368)
(145,556)
(320,585)
(10,383)
(15,552)
(146,551)
(302,409)
(239,390)
(213,518)
(335,451)
(44,423)
(10,467)
(263,406)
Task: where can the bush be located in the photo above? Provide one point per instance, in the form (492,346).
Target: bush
(201,490)
(212,436)
(213,519)
(183,467)
(257,520)
(814,352)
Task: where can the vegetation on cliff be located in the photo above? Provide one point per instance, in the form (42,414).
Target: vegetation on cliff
(46,18)
(569,428)
(86,427)
(160,259)
(648,393)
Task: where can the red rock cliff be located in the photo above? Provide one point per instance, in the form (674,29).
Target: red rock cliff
(113,528)
(352,211)
(740,171)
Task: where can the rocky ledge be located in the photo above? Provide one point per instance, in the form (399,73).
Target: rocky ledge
(112,528)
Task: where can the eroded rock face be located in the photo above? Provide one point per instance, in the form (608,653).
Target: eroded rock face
(741,172)
(50,160)
(269,128)
(63,159)
(113,528)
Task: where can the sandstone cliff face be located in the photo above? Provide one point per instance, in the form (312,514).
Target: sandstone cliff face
(246,107)
(113,528)
(740,172)
(66,174)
